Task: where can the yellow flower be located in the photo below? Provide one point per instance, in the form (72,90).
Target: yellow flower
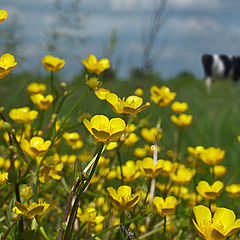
(129,170)
(148,168)
(37,147)
(101,93)
(193,198)
(183,176)
(89,216)
(112,145)
(140,152)
(23,115)
(3,177)
(42,102)
(7,63)
(26,192)
(105,130)
(131,139)
(212,156)
(131,105)
(122,198)
(179,107)
(209,191)
(219,227)
(130,128)
(71,138)
(3,15)
(35,88)
(33,209)
(53,64)
(162,96)
(233,190)
(96,66)
(92,82)
(138,92)
(195,152)
(51,168)
(165,207)
(219,170)
(182,120)
(150,135)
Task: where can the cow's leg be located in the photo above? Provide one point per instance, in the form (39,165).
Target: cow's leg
(209,84)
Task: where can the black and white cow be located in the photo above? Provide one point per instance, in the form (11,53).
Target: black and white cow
(220,67)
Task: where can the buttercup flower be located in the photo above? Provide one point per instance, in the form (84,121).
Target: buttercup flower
(182,120)
(209,191)
(183,176)
(219,170)
(101,93)
(233,190)
(23,115)
(26,192)
(219,227)
(179,107)
(7,63)
(37,147)
(165,207)
(51,167)
(71,138)
(212,156)
(3,177)
(35,88)
(42,102)
(131,105)
(138,92)
(148,168)
(105,130)
(131,139)
(53,64)
(89,216)
(195,152)
(123,198)
(33,209)
(162,96)
(3,15)
(92,82)
(130,171)
(96,66)
(150,135)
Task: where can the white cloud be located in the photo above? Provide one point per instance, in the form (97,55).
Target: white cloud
(183,27)
(196,4)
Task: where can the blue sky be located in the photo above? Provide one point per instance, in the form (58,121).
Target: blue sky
(192,28)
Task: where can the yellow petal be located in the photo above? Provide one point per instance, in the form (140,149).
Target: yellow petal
(202,214)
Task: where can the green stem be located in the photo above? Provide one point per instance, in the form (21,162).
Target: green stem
(44,233)
(73,213)
(164,227)
(71,111)
(233,177)
(120,165)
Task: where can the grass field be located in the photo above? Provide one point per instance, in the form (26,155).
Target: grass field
(216,117)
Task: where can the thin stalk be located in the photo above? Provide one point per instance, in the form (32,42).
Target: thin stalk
(44,233)
(8,230)
(164,227)
(120,165)
(73,213)
(71,111)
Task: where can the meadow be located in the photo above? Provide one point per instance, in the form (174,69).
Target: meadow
(92,158)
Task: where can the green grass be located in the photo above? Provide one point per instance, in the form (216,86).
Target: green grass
(216,117)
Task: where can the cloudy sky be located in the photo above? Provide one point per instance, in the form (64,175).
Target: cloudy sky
(191,28)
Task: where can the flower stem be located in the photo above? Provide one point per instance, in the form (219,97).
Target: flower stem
(73,213)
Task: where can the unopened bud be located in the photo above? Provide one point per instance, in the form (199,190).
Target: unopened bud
(63,84)
(1,109)
(6,126)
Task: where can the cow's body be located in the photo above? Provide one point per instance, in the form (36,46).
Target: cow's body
(220,67)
